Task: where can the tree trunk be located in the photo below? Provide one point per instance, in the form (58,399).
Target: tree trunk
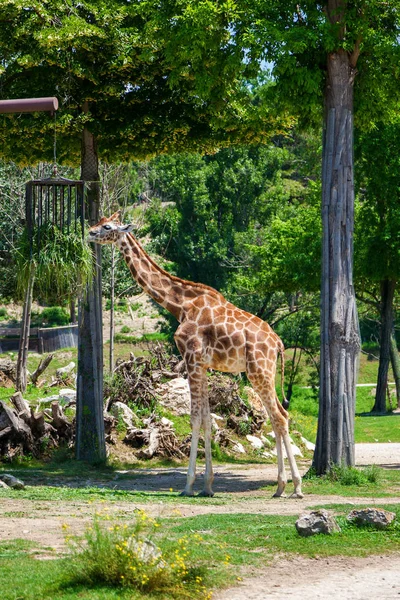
(340,342)
(386,313)
(395,360)
(112,309)
(90,438)
(22,361)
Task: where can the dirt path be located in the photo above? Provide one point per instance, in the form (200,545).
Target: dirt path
(239,489)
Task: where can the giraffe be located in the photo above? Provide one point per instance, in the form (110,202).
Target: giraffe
(212,334)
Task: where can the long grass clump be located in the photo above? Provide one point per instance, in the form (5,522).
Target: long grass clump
(135,556)
(62,262)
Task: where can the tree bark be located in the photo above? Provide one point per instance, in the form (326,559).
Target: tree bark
(112,309)
(22,361)
(386,313)
(340,342)
(395,360)
(90,437)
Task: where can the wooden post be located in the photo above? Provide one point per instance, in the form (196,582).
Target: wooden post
(90,435)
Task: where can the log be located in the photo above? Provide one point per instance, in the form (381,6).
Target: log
(60,421)
(44,363)
(20,431)
(37,424)
(21,406)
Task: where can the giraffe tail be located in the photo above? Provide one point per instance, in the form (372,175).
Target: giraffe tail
(285,401)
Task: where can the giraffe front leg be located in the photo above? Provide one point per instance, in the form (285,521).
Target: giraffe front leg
(191,473)
(282,478)
(208,475)
(296,477)
(196,384)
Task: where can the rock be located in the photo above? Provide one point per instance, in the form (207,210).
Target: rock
(2,484)
(66,396)
(166,422)
(146,551)
(255,401)
(65,370)
(315,522)
(255,442)
(308,445)
(121,410)
(175,396)
(265,440)
(377,517)
(238,448)
(12,482)
(267,455)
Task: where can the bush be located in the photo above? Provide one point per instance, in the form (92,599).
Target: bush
(126,556)
(3,313)
(55,316)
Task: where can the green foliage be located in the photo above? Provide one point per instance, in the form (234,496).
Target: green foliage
(62,262)
(54,315)
(377,233)
(126,556)
(3,313)
(350,476)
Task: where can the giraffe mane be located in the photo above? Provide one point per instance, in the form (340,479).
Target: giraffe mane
(193,284)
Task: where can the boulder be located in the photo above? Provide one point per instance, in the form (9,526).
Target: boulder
(121,410)
(12,482)
(65,370)
(377,517)
(255,442)
(175,396)
(315,522)
(238,448)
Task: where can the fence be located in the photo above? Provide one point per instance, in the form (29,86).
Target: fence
(41,340)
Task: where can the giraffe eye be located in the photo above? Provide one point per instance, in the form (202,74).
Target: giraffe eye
(106,226)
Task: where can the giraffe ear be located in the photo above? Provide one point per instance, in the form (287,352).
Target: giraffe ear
(116,216)
(126,228)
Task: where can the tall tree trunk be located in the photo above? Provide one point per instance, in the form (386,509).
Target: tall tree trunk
(112,309)
(395,360)
(386,313)
(22,361)
(340,342)
(90,438)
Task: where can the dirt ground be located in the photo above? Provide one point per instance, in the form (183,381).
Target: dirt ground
(296,578)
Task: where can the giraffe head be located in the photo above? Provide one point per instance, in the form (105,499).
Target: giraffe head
(108,230)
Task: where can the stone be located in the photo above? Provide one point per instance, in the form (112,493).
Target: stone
(377,517)
(12,482)
(309,445)
(315,522)
(65,370)
(255,442)
(238,448)
(3,485)
(175,396)
(121,410)
(66,395)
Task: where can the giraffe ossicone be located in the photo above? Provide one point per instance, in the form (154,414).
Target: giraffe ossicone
(213,334)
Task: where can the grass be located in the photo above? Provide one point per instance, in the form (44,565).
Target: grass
(221,546)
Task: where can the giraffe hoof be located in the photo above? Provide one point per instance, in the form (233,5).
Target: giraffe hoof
(279,495)
(188,494)
(297,495)
(206,494)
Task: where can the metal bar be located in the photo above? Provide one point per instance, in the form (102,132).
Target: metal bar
(29,105)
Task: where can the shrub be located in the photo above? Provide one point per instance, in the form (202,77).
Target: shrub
(126,556)
(54,315)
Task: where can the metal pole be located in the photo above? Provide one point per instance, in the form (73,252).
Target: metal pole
(29,105)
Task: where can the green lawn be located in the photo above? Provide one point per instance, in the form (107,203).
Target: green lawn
(221,545)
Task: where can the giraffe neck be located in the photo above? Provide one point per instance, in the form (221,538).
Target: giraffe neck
(167,290)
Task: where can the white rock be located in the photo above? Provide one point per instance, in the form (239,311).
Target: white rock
(166,422)
(255,442)
(267,454)
(266,441)
(65,370)
(175,396)
(238,448)
(119,409)
(309,445)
